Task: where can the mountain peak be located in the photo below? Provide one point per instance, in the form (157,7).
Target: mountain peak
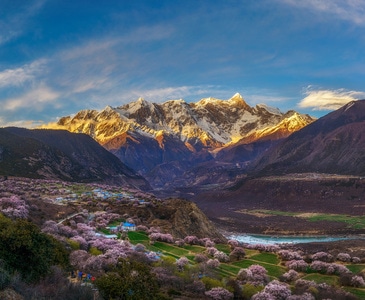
(237,96)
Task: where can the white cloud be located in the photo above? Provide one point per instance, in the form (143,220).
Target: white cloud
(329,99)
(348,10)
(18,76)
(35,99)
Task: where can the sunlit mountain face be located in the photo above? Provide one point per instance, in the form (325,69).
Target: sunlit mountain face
(175,136)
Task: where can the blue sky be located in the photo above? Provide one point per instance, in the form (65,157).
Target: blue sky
(60,56)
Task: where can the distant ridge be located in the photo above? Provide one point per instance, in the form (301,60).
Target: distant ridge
(59,154)
(334,143)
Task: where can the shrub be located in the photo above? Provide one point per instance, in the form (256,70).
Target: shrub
(249,289)
(199,258)
(289,276)
(221,256)
(344,257)
(211,251)
(297,265)
(254,273)
(213,263)
(211,283)
(219,293)
(237,254)
(181,263)
(191,240)
(277,290)
(323,256)
(356,260)
(289,255)
(357,281)
(126,279)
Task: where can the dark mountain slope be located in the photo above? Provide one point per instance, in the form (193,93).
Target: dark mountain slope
(61,154)
(334,143)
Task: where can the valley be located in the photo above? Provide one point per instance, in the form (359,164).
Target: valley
(295,204)
(130,191)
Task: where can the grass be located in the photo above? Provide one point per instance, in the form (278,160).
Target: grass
(137,236)
(270,258)
(195,249)
(354,222)
(355,268)
(229,268)
(319,278)
(171,249)
(360,293)
(272,270)
(223,247)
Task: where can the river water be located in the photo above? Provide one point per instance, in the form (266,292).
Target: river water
(270,239)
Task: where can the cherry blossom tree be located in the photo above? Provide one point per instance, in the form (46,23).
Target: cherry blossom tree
(254,273)
(219,293)
(14,207)
(298,265)
(237,253)
(213,263)
(344,257)
(182,262)
(289,276)
(276,289)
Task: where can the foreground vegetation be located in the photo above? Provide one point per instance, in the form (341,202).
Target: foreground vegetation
(72,259)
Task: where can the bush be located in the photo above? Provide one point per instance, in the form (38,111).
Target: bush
(128,278)
(249,289)
(238,253)
(25,249)
(344,257)
(219,293)
(211,283)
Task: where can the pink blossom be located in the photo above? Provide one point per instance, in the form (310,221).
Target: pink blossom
(219,293)
(298,265)
(213,263)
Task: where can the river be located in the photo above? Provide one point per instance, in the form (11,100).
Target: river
(277,239)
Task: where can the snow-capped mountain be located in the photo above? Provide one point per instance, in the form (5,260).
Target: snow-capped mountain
(145,135)
(209,122)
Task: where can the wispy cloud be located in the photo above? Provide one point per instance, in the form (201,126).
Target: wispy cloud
(35,99)
(348,10)
(21,75)
(16,24)
(21,123)
(329,99)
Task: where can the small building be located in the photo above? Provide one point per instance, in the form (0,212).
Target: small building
(126,226)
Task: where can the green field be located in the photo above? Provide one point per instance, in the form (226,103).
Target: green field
(354,222)
(270,261)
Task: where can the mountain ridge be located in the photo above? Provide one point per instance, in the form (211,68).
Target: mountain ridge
(331,144)
(61,155)
(209,121)
(146,135)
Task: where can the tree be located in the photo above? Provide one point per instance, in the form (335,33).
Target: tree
(24,248)
(128,280)
(219,293)
(237,254)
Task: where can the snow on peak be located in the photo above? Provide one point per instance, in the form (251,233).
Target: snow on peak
(237,96)
(270,109)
